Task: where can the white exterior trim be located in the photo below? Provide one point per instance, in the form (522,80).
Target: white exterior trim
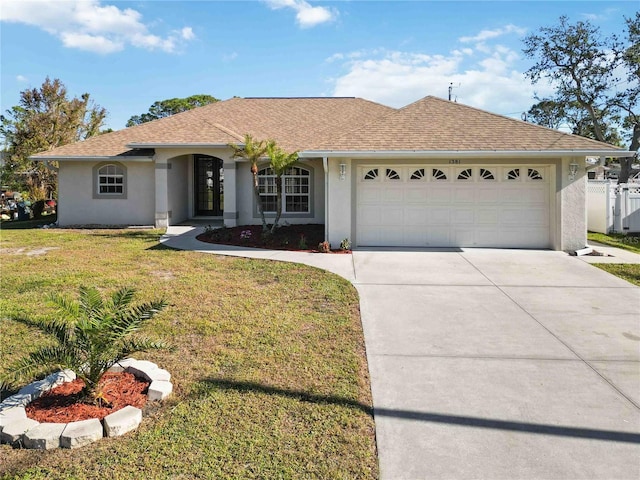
(114,158)
(394,154)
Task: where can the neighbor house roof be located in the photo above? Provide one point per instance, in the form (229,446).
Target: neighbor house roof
(434,124)
(294,123)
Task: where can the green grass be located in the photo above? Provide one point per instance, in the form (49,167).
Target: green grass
(626,242)
(270,377)
(628,271)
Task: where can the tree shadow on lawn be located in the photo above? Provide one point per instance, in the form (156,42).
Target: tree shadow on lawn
(475,422)
(28,224)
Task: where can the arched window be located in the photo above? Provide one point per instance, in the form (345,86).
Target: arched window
(296,190)
(371,174)
(392,174)
(110,180)
(465,174)
(417,174)
(438,174)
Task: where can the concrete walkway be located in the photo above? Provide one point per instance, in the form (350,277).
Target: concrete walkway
(492,364)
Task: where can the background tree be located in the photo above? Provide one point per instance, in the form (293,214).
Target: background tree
(280,161)
(628,101)
(44,119)
(171,106)
(552,114)
(581,64)
(548,113)
(253,151)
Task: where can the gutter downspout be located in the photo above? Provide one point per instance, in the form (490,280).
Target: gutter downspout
(325,165)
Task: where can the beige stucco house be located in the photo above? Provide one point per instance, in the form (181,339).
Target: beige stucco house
(432,174)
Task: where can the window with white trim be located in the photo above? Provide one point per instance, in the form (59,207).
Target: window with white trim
(110,180)
(296,190)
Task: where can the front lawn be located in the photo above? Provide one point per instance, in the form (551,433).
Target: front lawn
(629,242)
(628,271)
(269,371)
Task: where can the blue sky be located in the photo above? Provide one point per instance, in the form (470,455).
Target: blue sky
(129,54)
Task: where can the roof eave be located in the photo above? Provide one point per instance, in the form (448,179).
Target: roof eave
(464,153)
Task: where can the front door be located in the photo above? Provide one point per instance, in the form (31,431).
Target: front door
(209,186)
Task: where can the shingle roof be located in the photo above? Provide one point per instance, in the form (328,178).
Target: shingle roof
(295,124)
(433,124)
(335,124)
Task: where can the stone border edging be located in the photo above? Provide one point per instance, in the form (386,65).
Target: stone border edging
(16,428)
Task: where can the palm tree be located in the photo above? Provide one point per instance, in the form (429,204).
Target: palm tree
(91,335)
(253,151)
(280,161)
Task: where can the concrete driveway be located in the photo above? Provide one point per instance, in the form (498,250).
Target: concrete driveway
(500,364)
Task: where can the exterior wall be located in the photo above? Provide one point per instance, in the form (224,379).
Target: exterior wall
(77,205)
(567,214)
(247,213)
(341,202)
(177,189)
(571,206)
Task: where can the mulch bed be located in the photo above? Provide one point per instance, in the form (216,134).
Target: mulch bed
(298,238)
(62,405)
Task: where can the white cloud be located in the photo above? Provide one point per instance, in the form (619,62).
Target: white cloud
(486,76)
(306,15)
(491,34)
(90,43)
(22,79)
(595,17)
(89,25)
(490,81)
(187,33)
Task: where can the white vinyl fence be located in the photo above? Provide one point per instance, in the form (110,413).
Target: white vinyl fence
(612,207)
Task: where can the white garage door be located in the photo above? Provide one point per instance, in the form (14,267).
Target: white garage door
(444,206)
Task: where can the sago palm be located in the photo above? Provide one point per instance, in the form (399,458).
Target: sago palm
(90,335)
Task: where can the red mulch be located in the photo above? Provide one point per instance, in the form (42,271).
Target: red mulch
(61,404)
(297,238)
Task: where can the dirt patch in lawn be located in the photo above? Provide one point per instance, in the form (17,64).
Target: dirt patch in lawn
(299,238)
(62,404)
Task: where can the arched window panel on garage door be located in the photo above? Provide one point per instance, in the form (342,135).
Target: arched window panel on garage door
(512,174)
(486,174)
(392,174)
(418,174)
(534,174)
(371,174)
(439,174)
(464,174)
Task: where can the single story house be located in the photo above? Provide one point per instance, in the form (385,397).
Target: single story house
(432,174)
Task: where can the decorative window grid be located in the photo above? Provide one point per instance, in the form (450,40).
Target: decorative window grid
(296,190)
(533,174)
(466,174)
(371,174)
(486,174)
(513,174)
(438,174)
(418,174)
(392,174)
(111,180)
